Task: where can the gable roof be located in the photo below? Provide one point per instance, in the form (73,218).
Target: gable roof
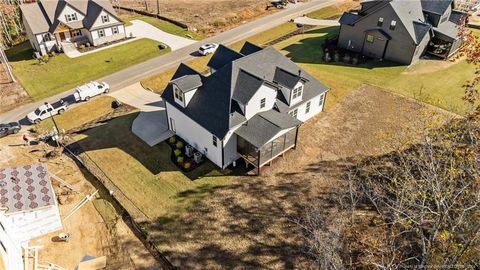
(214,107)
(286,78)
(436,6)
(262,127)
(223,56)
(249,48)
(42,16)
(188,82)
(349,18)
(421,29)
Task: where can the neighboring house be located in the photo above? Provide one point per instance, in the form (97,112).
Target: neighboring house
(402,31)
(49,23)
(28,209)
(467,5)
(251,105)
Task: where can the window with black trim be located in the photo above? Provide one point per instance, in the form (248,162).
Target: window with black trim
(101,33)
(307,109)
(46,37)
(115,30)
(380,22)
(105,19)
(178,94)
(76,33)
(262,103)
(297,92)
(71,17)
(322,97)
(393,24)
(214,141)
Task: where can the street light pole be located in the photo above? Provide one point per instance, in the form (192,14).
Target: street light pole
(55,124)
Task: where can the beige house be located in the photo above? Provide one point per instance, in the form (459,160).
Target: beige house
(52,23)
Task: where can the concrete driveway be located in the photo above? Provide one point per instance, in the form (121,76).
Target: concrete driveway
(141,29)
(151,124)
(309,21)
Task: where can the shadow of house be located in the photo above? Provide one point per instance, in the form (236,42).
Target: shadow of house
(116,133)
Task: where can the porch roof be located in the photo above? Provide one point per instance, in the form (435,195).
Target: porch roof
(448,29)
(263,127)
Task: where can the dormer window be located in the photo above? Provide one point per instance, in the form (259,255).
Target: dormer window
(71,17)
(393,24)
(297,92)
(380,22)
(178,95)
(294,113)
(105,19)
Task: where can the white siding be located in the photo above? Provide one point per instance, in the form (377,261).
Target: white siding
(94,35)
(12,254)
(315,108)
(70,10)
(195,135)
(253,106)
(108,32)
(298,99)
(230,153)
(98,21)
(188,96)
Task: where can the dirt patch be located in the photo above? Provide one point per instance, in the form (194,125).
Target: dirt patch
(90,235)
(250,223)
(426,66)
(207,16)
(11,94)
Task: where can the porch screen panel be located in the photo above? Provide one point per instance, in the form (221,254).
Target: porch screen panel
(247,150)
(266,153)
(290,138)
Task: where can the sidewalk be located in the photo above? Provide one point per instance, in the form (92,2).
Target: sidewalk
(309,21)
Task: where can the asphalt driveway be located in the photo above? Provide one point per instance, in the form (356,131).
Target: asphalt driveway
(151,124)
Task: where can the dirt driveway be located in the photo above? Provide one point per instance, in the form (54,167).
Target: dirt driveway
(250,224)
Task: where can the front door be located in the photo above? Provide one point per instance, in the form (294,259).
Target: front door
(172,124)
(374,45)
(62,36)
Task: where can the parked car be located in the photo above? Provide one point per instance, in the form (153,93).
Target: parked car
(10,128)
(91,89)
(208,48)
(44,111)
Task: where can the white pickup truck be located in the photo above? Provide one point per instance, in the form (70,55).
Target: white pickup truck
(46,110)
(91,89)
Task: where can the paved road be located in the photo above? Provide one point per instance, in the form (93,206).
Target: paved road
(159,64)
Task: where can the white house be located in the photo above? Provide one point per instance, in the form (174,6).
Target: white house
(250,107)
(28,209)
(49,23)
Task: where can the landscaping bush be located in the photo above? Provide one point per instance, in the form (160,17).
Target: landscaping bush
(187,165)
(179,145)
(88,44)
(53,54)
(180,160)
(45,58)
(177,152)
(82,47)
(172,140)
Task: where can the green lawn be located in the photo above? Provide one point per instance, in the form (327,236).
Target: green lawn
(439,83)
(326,13)
(62,73)
(162,25)
(147,175)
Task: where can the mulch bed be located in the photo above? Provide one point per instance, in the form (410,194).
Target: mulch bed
(92,48)
(173,144)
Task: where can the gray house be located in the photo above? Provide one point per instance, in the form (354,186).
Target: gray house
(402,31)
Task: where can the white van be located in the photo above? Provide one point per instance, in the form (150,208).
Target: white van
(91,89)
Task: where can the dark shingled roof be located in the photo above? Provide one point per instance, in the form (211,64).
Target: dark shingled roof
(436,6)
(421,29)
(213,106)
(249,48)
(349,18)
(457,17)
(263,127)
(223,56)
(286,78)
(247,85)
(188,82)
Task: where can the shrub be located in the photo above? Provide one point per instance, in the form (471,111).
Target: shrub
(187,165)
(82,47)
(177,152)
(88,44)
(53,54)
(172,140)
(45,58)
(180,160)
(179,145)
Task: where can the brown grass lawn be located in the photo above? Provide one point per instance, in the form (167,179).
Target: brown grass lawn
(249,224)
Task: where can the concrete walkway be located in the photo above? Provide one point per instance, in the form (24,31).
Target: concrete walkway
(140,29)
(151,124)
(309,21)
